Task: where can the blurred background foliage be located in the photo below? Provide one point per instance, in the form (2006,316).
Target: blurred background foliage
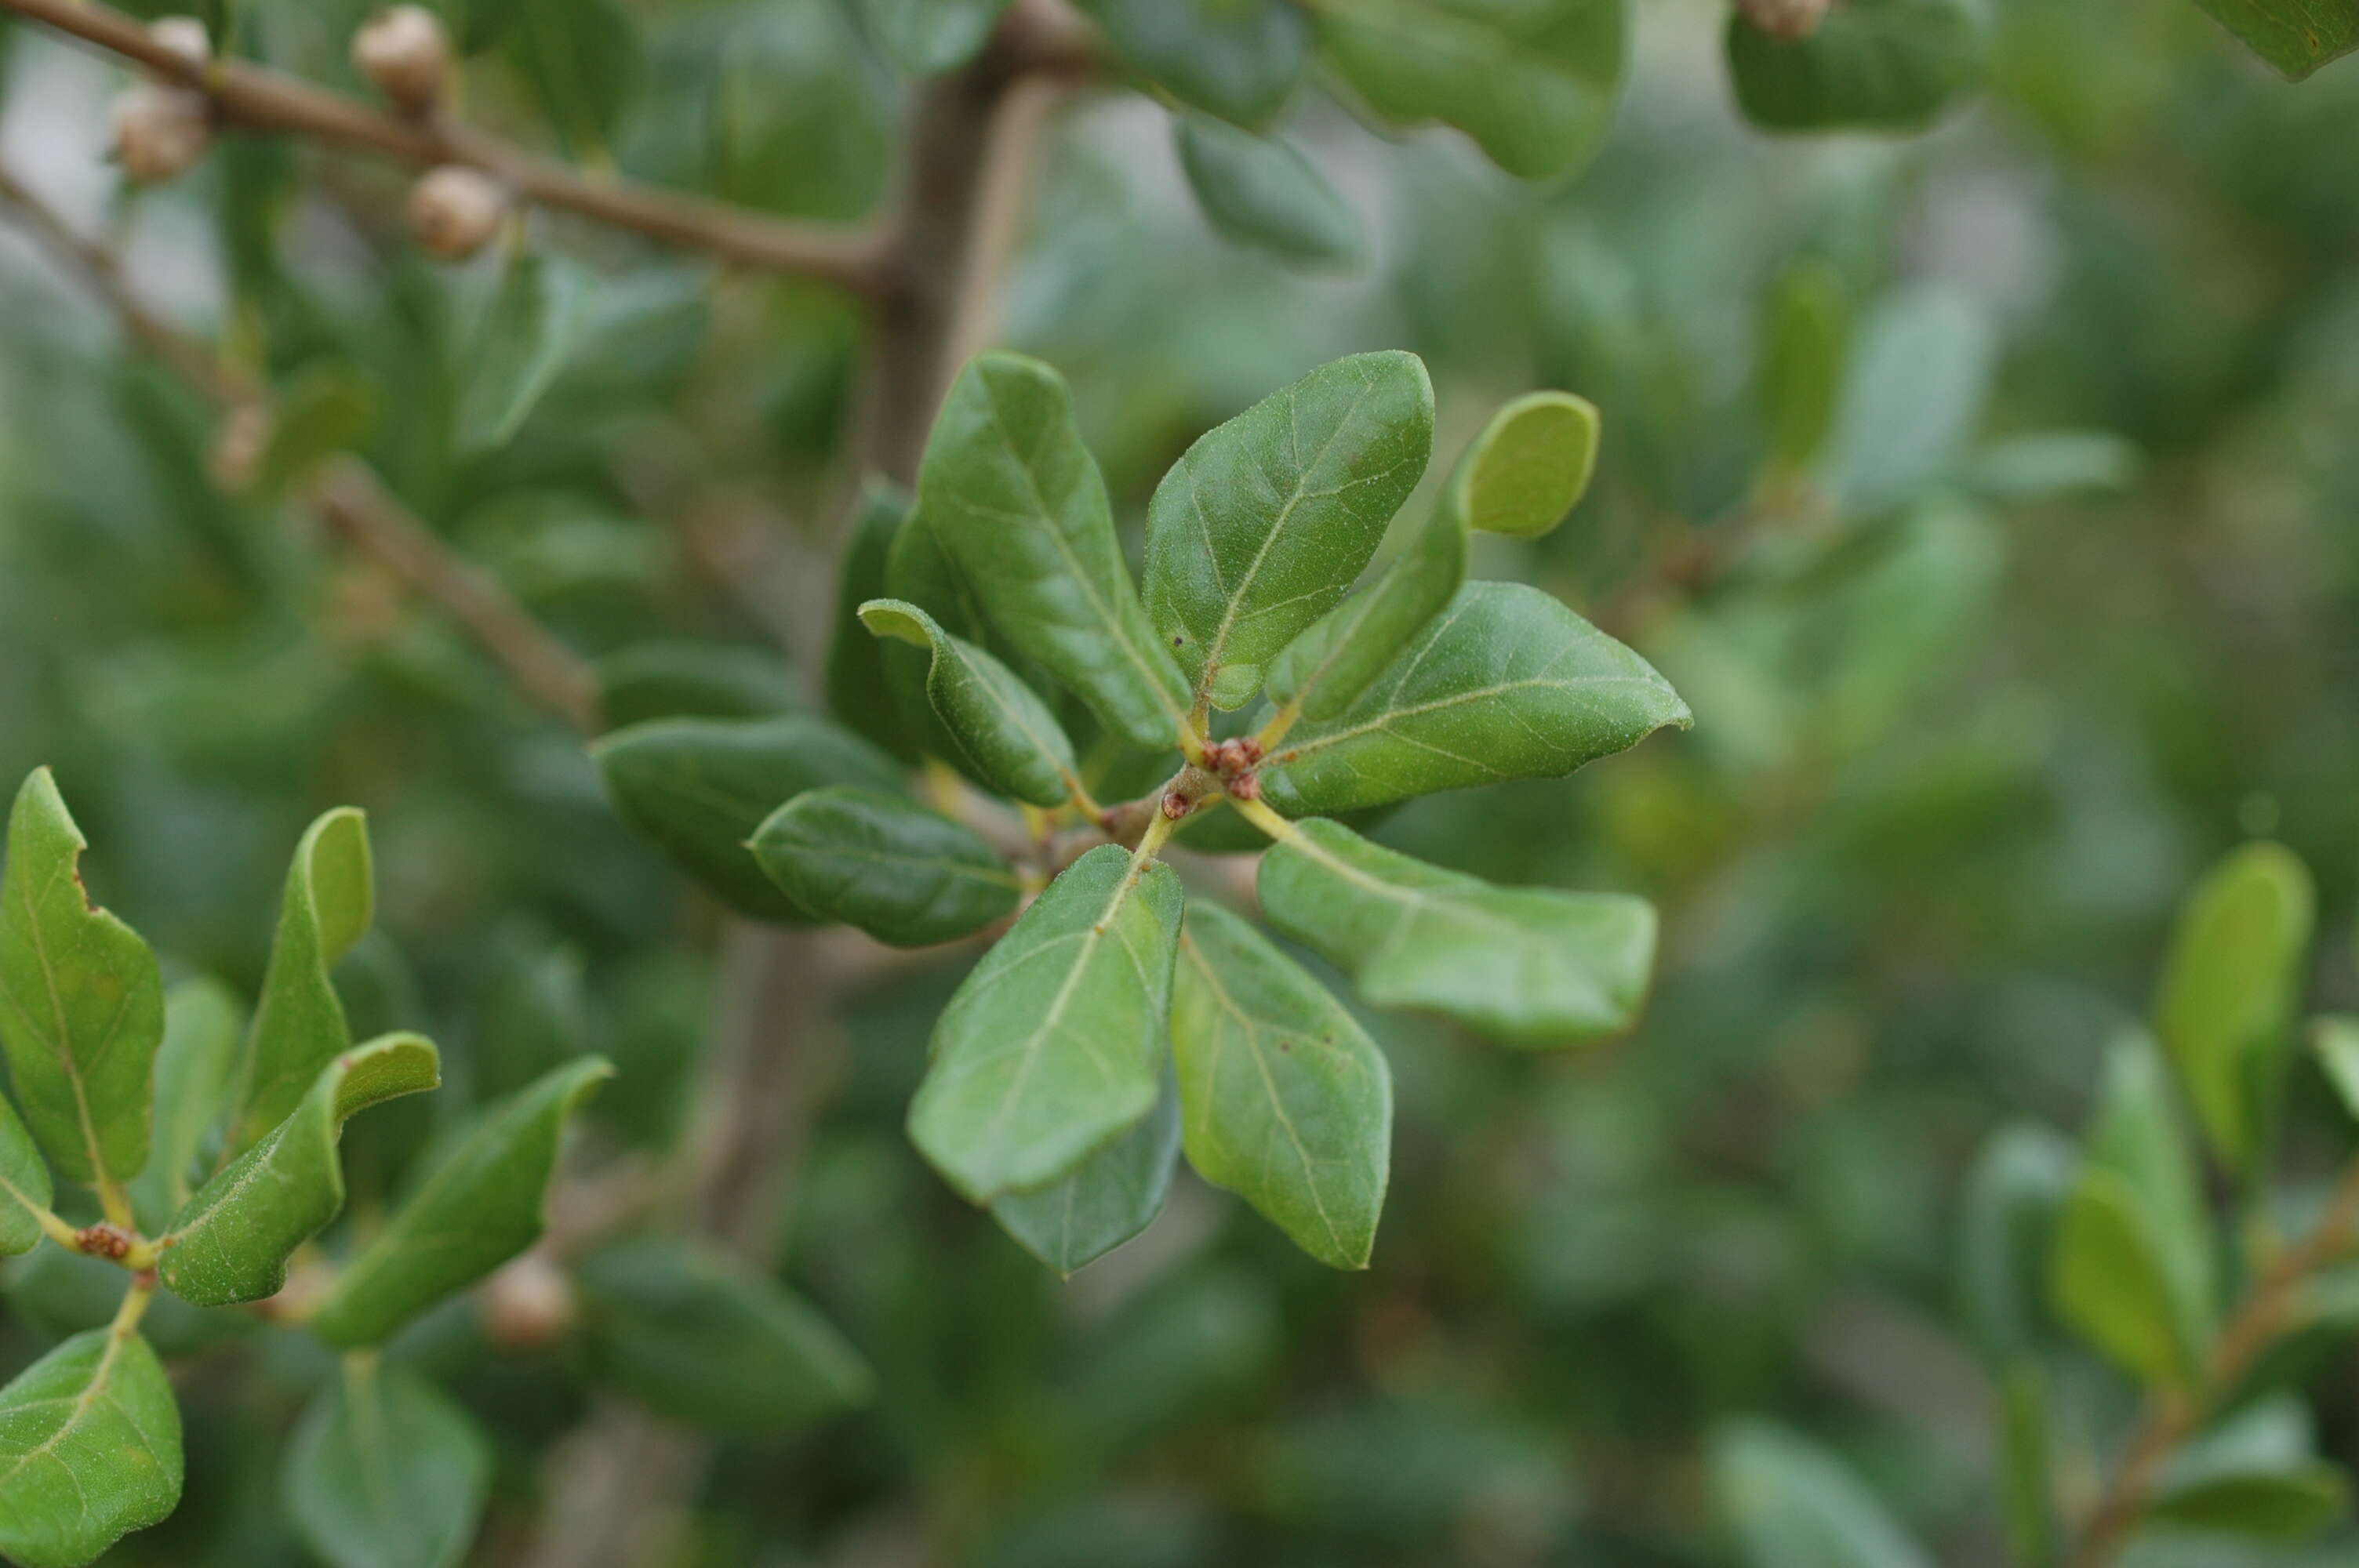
(1989,494)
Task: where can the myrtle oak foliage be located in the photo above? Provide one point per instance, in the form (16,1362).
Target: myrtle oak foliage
(1115,1021)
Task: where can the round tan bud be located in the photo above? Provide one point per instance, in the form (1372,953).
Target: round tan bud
(526,1305)
(185,37)
(406,54)
(1785,18)
(454,208)
(238,445)
(159,131)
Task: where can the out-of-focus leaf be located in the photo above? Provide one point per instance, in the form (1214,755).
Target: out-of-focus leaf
(926,38)
(89,1450)
(905,875)
(82,1000)
(1017,505)
(1236,58)
(230,1243)
(1798,370)
(1791,1504)
(1920,371)
(697,789)
(386,1472)
(1533,81)
(2297,36)
(25,1188)
(2007,1214)
(203,1020)
(1529,965)
(57,1294)
(800,119)
(517,342)
(1879,64)
(1287,1101)
(691,680)
(478,1207)
(1261,191)
(579,57)
(2284,1504)
(698,1338)
(1107,1199)
(2336,1041)
(1002,727)
(1507,683)
(2109,1282)
(859,684)
(325,410)
(2024,1461)
(1054,1045)
(2230,987)
(2048,463)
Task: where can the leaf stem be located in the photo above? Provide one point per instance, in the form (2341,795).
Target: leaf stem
(1284,720)
(1159,830)
(134,1305)
(55,1228)
(1262,816)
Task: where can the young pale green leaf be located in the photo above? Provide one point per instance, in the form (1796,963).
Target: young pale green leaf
(2106,1278)
(908,876)
(478,1207)
(1017,505)
(325,410)
(695,1337)
(1261,527)
(2007,1219)
(1532,967)
(1288,1102)
(1533,81)
(1507,683)
(2135,1134)
(859,685)
(2291,1504)
(298,1027)
(1528,468)
(203,1023)
(1876,64)
(1004,728)
(25,1189)
(1236,58)
(692,680)
(2297,36)
(697,789)
(82,1000)
(1054,1045)
(518,340)
(1793,1504)
(386,1472)
(2230,987)
(1261,191)
(89,1450)
(230,1243)
(1798,371)
(926,38)
(1107,1199)
(2336,1041)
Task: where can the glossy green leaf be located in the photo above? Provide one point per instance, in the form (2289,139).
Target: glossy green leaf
(1004,728)
(325,410)
(2005,1222)
(697,789)
(1533,81)
(691,680)
(230,1243)
(299,1026)
(926,38)
(1890,65)
(1017,505)
(89,1450)
(2281,1505)
(386,1472)
(859,686)
(1507,683)
(1262,525)
(1288,1102)
(2230,987)
(478,1207)
(579,57)
(82,1000)
(1920,374)
(905,875)
(2336,1041)
(1054,1045)
(1798,368)
(2297,36)
(1791,1504)
(203,1024)
(1261,191)
(696,1337)
(518,342)
(1236,58)
(1105,1200)
(1529,966)
(25,1187)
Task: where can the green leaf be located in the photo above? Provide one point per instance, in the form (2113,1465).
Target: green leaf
(1003,728)
(691,680)
(2297,36)
(386,1472)
(325,410)
(2336,1041)
(1053,1045)
(697,789)
(230,1242)
(1527,469)
(2024,1462)
(518,342)
(696,1337)
(2107,1279)
(2005,1223)
(1798,370)
(299,1026)
(2230,988)
(1105,1200)
(1236,58)
(1890,65)
(860,691)
(2282,1505)
(581,59)
(203,1023)
(1507,683)
(25,1188)
(908,876)
(1529,966)
(1262,525)
(1794,1505)
(89,1450)
(1261,191)
(1920,374)
(1017,505)
(1533,81)
(926,38)
(82,1000)
(2137,1133)
(478,1207)
(1288,1102)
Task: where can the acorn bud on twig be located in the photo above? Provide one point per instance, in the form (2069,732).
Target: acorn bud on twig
(406,54)
(185,37)
(1787,19)
(454,208)
(159,131)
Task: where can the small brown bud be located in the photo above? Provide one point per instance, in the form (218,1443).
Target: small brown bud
(453,210)
(159,131)
(1245,786)
(1787,19)
(406,54)
(238,446)
(1176,806)
(185,37)
(1246,750)
(102,1241)
(528,1304)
